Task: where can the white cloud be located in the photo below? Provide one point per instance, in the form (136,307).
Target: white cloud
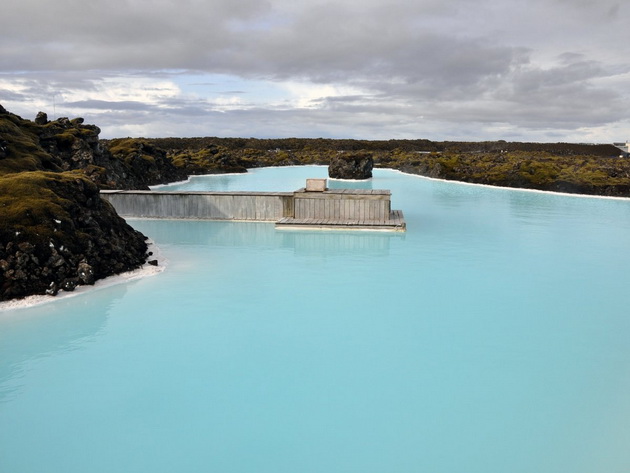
(131,89)
(307,95)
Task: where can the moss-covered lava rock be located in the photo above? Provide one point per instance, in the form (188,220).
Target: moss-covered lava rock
(56,233)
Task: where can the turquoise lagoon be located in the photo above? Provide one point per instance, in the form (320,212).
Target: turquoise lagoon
(492,337)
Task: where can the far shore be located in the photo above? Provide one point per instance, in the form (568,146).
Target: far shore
(490,186)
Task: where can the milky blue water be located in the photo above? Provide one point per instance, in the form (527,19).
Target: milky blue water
(492,337)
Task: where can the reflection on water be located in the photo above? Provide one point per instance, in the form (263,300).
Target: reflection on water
(202,232)
(264,235)
(348,184)
(463,195)
(541,207)
(490,338)
(339,243)
(50,329)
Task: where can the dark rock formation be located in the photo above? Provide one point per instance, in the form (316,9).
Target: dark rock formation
(351,166)
(78,147)
(41,118)
(66,145)
(207,160)
(137,164)
(57,233)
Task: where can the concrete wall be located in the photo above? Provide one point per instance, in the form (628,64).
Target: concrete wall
(256,206)
(335,204)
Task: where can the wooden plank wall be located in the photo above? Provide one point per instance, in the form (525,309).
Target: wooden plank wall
(344,204)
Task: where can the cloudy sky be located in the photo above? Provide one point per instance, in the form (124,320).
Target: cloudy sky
(524,70)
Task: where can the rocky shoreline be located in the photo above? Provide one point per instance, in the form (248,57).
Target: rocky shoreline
(56,233)
(557,167)
(65,236)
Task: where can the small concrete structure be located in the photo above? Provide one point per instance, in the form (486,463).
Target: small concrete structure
(624,147)
(315,185)
(343,204)
(303,209)
(343,209)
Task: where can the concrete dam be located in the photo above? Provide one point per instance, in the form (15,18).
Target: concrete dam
(311,207)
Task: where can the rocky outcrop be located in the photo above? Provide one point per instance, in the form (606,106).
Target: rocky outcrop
(66,145)
(210,159)
(41,118)
(133,163)
(56,233)
(351,166)
(119,164)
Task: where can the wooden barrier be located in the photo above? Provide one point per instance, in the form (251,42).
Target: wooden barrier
(343,204)
(330,209)
(256,206)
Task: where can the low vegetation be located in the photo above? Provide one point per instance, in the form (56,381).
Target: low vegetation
(20,149)
(562,167)
(587,174)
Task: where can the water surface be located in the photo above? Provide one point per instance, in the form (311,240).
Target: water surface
(491,337)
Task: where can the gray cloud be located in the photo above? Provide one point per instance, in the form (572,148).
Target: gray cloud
(537,68)
(127,105)
(7,95)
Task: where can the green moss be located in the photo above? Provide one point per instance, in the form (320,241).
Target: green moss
(23,150)
(35,203)
(125,146)
(538,173)
(205,160)
(148,158)
(65,139)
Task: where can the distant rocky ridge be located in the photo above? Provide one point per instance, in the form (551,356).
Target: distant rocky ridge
(561,167)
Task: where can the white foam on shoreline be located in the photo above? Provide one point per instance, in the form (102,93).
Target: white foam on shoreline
(159,186)
(451,181)
(122,278)
(351,180)
(190,178)
(521,189)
